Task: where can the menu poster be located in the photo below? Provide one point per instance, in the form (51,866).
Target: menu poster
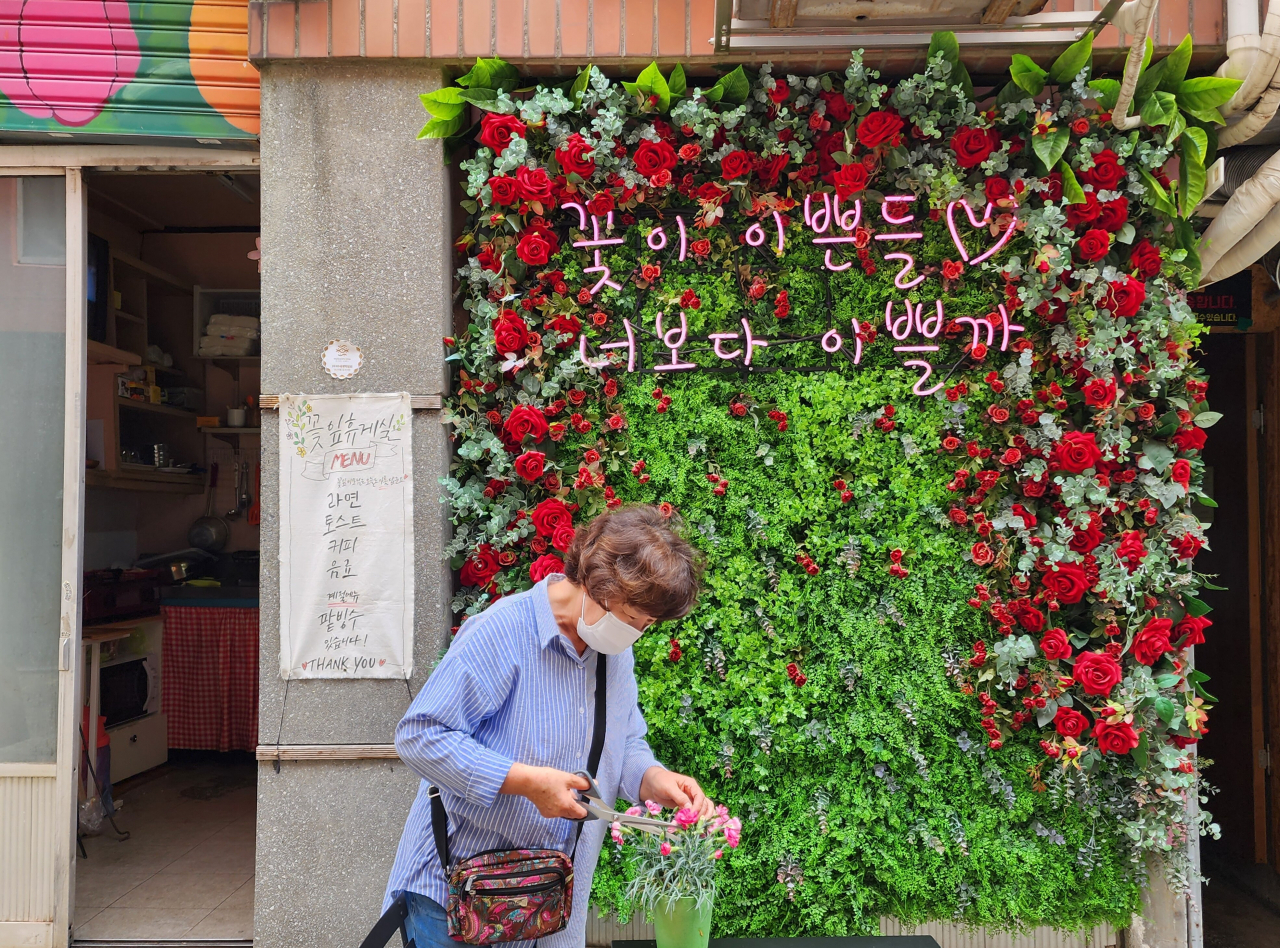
(346,536)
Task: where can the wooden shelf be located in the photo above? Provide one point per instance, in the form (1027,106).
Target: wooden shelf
(155,274)
(129,317)
(240,431)
(141,480)
(124,402)
(102,354)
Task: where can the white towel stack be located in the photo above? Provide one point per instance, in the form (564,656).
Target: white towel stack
(228,335)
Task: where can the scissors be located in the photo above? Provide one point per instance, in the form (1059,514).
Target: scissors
(593,801)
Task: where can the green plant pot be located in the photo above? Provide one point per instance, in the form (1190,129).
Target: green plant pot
(684,925)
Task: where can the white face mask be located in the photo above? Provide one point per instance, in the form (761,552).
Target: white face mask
(608,636)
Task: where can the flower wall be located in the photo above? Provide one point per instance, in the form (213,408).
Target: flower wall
(911,363)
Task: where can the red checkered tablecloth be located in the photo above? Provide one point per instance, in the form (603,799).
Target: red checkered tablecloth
(209,677)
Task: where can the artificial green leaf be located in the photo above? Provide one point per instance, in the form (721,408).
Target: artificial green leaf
(1189,241)
(1176,69)
(580,86)
(1148,82)
(1166,680)
(1159,196)
(1204,694)
(650,83)
(1074,58)
(714,94)
(444,103)
(1159,108)
(1176,126)
(734,87)
(1026,74)
(1050,147)
(1108,91)
(945,42)
(1166,709)
(1072,189)
(1010,93)
(1207,501)
(442,127)
(1195,607)
(1148,48)
(1196,142)
(1207,419)
(1140,753)
(676,82)
(1211,135)
(481,98)
(1205,93)
(477,77)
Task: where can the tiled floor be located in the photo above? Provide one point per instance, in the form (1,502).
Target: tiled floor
(186,870)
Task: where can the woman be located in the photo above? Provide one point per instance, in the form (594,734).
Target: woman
(508,715)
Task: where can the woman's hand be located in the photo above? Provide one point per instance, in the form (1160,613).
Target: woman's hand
(670,789)
(550,790)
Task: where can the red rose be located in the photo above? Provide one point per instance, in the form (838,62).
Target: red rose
(601,203)
(824,147)
(1187,546)
(1114,214)
(1075,453)
(504,190)
(1180,472)
(524,421)
(1093,245)
(652,157)
(735,165)
(711,192)
(1152,641)
(1106,173)
(700,248)
(1131,549)
(1189,439)
(530,464)
(1086,540)
(534,248)
(550,514)
(544,566)
(951,270)
(1145,258)
(562,536)
(510,335)
(1052,186)
(1099,392)
(837,106)
(876,128)
(1115,738)
(770,169)
(982,554)
(481,567)
(1124,299)
(1070,722)
(1190,631)
(1055,645)
(974,145)
(1067,583)
(996,189)
(496,131)
(572,156)
(534,184)
(1097,673)
(1084,212)
(849,179)
(1030,619)
(565,324)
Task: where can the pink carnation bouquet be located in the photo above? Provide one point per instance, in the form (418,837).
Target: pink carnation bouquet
(679,864)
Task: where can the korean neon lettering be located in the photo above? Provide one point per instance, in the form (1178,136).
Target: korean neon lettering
(892,218)
(629,344)
(830,216)
(596,243)
(673,339)
(973,220)
(901,281)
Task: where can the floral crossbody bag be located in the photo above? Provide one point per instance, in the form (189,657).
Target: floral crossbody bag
(505,895)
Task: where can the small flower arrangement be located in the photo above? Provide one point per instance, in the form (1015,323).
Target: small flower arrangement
(680,864)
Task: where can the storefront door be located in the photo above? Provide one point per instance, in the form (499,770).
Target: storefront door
(42,362)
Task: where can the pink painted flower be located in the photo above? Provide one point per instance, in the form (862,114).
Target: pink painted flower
(635,811)
(68,62)
(665,848)
(686,816)
(717,854)
(652,807)
(615,830)
(733,832)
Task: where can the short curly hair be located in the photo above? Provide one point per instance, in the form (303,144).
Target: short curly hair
(633,555)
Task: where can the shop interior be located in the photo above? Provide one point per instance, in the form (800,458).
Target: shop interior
(166,828)
(1242,897)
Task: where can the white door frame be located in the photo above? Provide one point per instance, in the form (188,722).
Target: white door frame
(71,161)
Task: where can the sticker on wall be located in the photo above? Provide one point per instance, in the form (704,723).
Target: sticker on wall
(342,359)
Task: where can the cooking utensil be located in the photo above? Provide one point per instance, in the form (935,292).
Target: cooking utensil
(209,532)
(234,512)
(246,501)
(255,512)
(180,563)
(593,802)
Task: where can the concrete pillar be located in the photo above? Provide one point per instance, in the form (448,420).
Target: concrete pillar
(355,245)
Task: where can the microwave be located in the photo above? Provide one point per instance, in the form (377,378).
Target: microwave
(129,688)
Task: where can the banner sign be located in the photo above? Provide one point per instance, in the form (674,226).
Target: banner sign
(346,536)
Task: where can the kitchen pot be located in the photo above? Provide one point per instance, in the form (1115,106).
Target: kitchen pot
(209,533)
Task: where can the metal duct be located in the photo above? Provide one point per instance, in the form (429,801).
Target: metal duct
(1240,164)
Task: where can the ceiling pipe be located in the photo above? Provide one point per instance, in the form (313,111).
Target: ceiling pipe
(1135,18)
(1233,240)
(1252,59)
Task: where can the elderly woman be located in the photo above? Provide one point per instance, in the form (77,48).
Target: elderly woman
(508,716)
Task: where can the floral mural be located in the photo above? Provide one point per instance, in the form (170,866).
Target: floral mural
(911,362)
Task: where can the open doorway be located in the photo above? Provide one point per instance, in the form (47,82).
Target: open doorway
(1242,897)
(167,801)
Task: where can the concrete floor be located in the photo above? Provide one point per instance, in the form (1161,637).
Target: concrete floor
(1234,918)
(187,869)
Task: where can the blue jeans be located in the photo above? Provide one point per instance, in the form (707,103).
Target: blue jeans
(426,924)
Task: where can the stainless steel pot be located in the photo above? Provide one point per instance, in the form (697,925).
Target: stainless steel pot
(209,532)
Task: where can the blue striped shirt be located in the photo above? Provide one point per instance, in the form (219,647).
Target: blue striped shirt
(513,688)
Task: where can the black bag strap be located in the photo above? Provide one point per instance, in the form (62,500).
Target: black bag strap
(440,819)
(392,919)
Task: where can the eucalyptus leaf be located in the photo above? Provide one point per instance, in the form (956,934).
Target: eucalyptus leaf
(1207,419)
